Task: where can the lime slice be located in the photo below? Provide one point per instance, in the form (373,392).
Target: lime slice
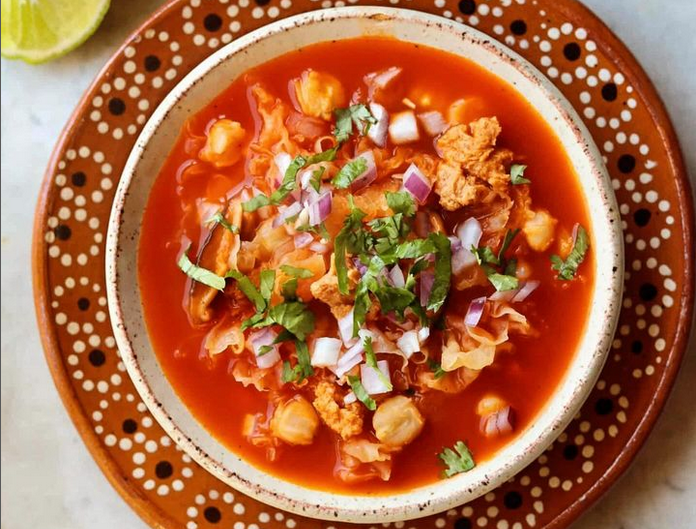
(39,30)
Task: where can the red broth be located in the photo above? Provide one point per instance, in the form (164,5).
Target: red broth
(526,378)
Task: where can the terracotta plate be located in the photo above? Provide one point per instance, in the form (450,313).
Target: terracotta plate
(586,62)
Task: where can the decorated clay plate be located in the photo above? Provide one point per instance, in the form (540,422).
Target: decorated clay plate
(627,121)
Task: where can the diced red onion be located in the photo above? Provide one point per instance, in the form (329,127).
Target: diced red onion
(427,279)
(282,161)
(416,183)
(305,178)
(455,243)
(433,122)
(475,311)
(285,212)
(378,131)
(526,289)
(320,209)
(303,239)
(503,295)
(319,247)
(260,339)
(371,381)
(498,423)
(404,324)
(396,276)
(423,334)
(326,351)
(368,175)
(382,79)
(403,128)
(469,233)
(351,358)
(360,267)
(345,329)
(408,343)
(350,398)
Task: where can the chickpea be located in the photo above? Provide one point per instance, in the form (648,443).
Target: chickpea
(295,422)
(225,143)
(397,421)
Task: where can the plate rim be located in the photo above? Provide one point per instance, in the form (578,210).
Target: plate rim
(619,52)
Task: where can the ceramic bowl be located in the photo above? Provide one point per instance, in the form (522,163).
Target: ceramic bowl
(156,141)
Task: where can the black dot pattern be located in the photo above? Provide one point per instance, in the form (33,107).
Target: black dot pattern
(512,500)
(83,303)
(462,523)
(518,27)
(212,514)
(79,179)
(129,426)
(609,92)
(467,7)
(570,452)
(647,292)
(263,2)
(604,406)
(637,347)
(163,469)
(571,51)
(642,217)
(152,63)
(117,106)
(63,232)
(627,163)
(97,357)
(212,22)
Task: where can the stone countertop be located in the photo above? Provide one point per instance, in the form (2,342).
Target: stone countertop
(49,479)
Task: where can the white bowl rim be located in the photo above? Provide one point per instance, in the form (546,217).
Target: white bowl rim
(438,496)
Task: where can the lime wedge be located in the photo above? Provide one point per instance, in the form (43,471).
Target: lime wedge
(39,30)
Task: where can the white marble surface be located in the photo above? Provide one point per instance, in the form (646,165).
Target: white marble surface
(48,478)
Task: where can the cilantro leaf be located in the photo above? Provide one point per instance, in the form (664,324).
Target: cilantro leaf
(355,114)
(484,256)
(266,284)
(517,175)
(294,316)
(361,393)
(289,374)
(315,181)
(443,271)
(458,460)
(352,239)
(200,274)
(417,248)
(371,360)
(289,289)
(249,289)
(304,364)
(394,299)
(220,219)
(401,202)
(509,236)
(503,282)
(264,349)
(436,368)
(349,172)
(295,271)
(568,268)
(289,180)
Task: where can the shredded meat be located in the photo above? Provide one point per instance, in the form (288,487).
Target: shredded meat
(346,422)
(472,166)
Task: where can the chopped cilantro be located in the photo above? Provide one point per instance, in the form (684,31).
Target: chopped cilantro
(361,393)
(509,236)
(436,368)
(502,282)
(458,460)
(289,289)
(349,172)
(517,175)
(315,181)
(443,271)
(289,373)
(401,202)
(351,239)
(355,114)
(371,360)
(264,349)
(249,290)
(295,271)
(303,369)
(220,219)
(484,256)
(568,268)
(200,274)
(393,298)
(289,180)
(266,284)
(294,316)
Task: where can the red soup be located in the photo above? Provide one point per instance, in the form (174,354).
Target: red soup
(364,265)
